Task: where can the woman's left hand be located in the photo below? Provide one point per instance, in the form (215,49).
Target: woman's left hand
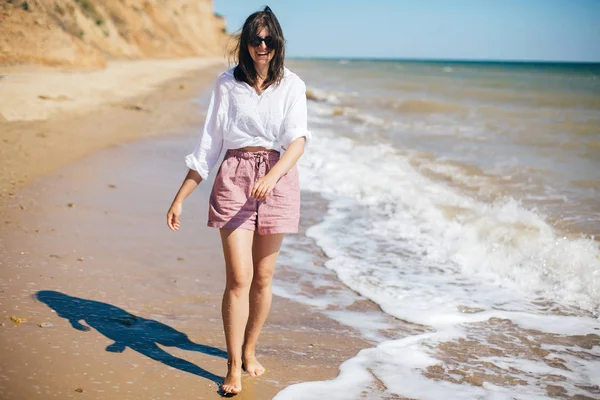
(263,187)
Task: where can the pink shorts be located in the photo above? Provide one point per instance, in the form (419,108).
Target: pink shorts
(231,205)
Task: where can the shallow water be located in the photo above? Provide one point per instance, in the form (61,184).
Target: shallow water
(528,130)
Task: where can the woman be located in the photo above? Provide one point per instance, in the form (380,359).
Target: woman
(257,110)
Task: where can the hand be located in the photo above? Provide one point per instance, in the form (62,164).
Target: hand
(263,187)
(173,216)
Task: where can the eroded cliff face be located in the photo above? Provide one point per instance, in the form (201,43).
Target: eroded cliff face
(85,33)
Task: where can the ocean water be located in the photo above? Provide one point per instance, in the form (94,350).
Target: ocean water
(463,199)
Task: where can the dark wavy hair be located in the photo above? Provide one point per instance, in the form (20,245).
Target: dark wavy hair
(245,71)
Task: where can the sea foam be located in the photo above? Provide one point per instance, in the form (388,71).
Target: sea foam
(389,239)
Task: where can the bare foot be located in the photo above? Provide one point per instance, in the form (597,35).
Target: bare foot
(252,366)
(233,380)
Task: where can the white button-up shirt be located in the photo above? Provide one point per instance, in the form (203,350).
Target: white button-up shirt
(239,117)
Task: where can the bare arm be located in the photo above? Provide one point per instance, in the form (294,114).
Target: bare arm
(265,185)
(191,182)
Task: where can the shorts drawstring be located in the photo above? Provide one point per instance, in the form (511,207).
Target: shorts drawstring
(259,159)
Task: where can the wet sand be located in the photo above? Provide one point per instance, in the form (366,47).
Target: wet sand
(108,303)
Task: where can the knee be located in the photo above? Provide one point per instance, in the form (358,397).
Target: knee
(239,285)
(262,281)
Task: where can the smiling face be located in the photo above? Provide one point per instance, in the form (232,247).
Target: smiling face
(261,54)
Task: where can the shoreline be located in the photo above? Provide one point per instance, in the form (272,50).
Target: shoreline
(84,236)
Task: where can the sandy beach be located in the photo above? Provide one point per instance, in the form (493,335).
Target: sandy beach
(49,117)
(99,300)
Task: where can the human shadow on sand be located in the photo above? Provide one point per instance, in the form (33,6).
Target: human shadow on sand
(128,330)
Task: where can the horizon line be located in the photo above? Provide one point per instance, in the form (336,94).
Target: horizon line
(450,60)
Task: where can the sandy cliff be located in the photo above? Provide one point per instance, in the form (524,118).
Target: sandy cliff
(84,33)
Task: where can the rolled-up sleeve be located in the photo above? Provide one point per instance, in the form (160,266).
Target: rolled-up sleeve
(295,124)
(210,141)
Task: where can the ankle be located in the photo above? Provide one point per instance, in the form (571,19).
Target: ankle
(234,364)
(249,351)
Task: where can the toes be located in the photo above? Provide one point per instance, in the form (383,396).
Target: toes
(255,371)
(230,389)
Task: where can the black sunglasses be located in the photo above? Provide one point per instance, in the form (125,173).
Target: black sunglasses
(257,40)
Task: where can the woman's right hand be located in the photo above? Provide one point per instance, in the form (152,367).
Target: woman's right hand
(173,216)
(191,181)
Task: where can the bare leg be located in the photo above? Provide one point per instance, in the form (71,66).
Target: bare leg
(264,253)
(237,249)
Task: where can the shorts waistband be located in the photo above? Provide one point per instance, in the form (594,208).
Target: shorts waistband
(250,155)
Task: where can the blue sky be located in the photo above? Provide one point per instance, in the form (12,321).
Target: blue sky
(548,30)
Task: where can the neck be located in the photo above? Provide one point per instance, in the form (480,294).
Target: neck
(262,73)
